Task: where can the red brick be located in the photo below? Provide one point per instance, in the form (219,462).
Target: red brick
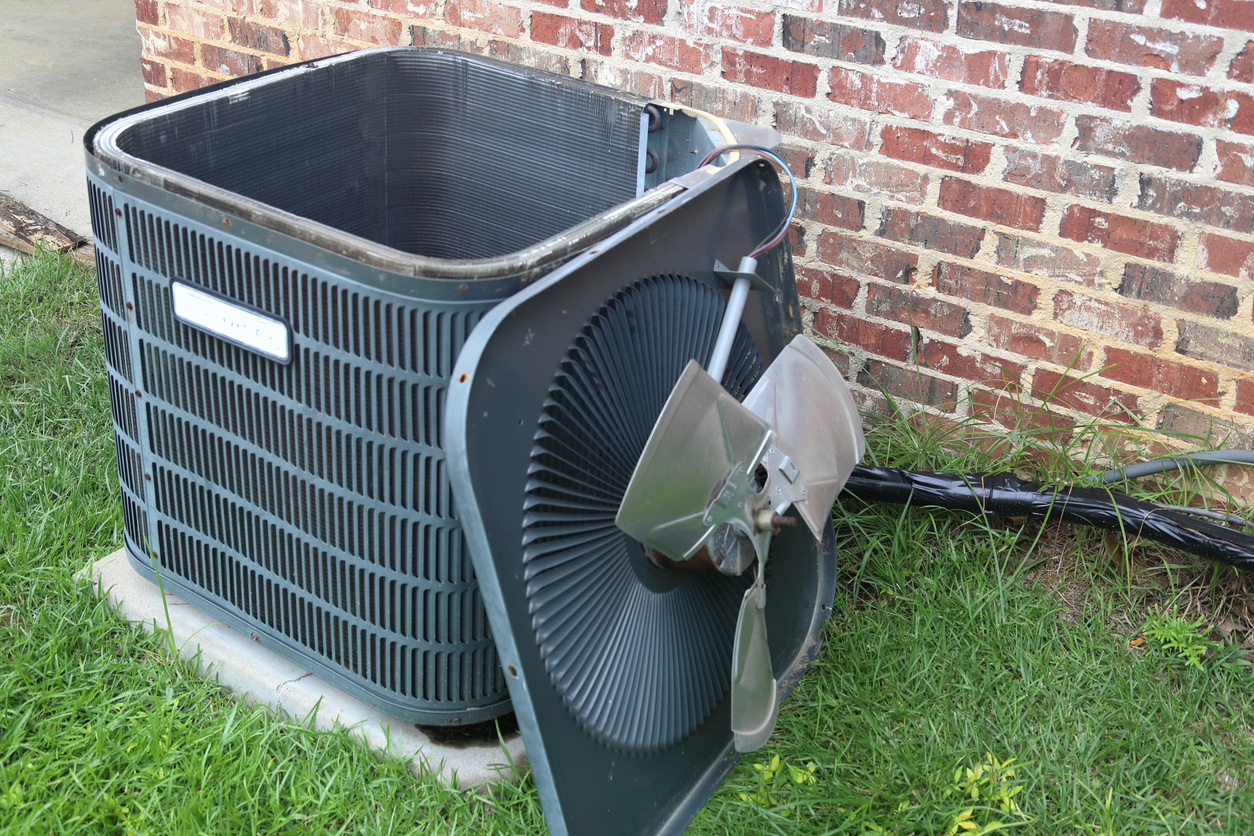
(930,15)
(986,288)
(839,358)
(1011,119)
(1242,66)
(269,39)
(1129,6)
(1083,395)
(1202,106)
(228,61)
(1225,255)
(1126,323)
(642,11)
(830,209)
(235,7)
(1120,233)
(866,256)
(1236,162)
(160,44)
(1146,46)
(1013,412)
(727,102)
(758,70)
(821,125)
(872,337)
(408,8)
(1204,428)
(730,22)
(1195,202)
(931,231)
(1137,143)
(480,15)
(1216,344)
(154,72)
(1163,287)
(151,96)
(935,151)
(825,39)
(1025,167)
(901,304)
(956,361)
(420,35)
(1021,27)
(867,175)
(909,384)
(797,240)
(184,80)
(985,67)
(318,46)
(194,22)
(1245,396)
(1038,342)
(665,51)
(872,92)
(798,158)
(303,13)
(640,82)
(1050,261)
(146,11)
(999,206)
(1158,375)
(1069,82)
(826,286)
(1226,14)
(543,59)
(570,33)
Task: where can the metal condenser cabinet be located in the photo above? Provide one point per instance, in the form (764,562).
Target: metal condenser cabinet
(289,265)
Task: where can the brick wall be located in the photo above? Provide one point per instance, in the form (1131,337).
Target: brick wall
(1027,198)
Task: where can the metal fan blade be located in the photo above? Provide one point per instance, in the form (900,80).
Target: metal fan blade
(754,694)
(696,469)
(818,433)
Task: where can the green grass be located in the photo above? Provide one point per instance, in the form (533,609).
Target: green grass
(968,666)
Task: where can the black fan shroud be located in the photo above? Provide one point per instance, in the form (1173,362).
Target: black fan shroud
(639,655)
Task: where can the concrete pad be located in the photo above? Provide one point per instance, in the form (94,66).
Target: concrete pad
(258,675)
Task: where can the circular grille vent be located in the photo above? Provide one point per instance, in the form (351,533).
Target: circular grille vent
(640,655)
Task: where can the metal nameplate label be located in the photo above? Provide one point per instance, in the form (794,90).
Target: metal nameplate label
(233,323)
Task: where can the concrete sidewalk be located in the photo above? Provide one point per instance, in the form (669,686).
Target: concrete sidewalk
(64,65)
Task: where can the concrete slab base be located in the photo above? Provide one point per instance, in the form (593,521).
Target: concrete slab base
(258,675)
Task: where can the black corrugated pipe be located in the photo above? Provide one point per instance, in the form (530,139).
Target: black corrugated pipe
(1006,495)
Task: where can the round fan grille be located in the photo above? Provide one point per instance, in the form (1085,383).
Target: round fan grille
(640,655)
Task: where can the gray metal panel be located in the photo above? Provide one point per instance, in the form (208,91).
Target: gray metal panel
(509,363)
(307,503)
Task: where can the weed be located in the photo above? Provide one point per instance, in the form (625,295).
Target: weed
(1181,640)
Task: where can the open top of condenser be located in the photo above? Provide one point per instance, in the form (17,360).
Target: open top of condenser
(289,265)
(409,159)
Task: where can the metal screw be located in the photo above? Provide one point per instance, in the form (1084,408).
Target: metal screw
(255,637)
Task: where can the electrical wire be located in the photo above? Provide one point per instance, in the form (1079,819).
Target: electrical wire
(1006,495)
(775,237)
(1188,461)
